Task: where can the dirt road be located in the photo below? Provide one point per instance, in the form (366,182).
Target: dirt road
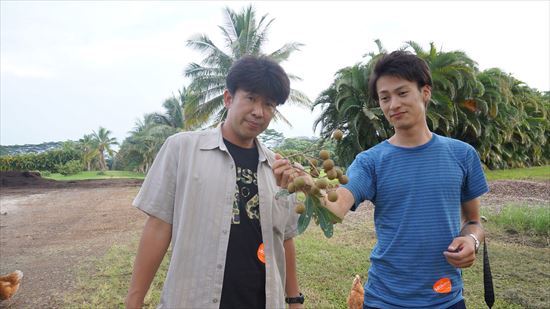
(47,232)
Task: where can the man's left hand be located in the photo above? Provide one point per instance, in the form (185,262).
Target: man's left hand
(296,306)
(461,252)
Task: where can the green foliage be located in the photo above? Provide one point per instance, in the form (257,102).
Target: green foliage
(69,168)
(505,120)
(44,161)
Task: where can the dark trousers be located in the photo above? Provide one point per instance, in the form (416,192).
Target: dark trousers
(460,305)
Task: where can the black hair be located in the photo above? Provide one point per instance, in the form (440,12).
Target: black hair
(260,75)
(401,64)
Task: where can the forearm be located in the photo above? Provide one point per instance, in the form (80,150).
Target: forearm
(152,248)
(343,204)
(471,223)
(291,287)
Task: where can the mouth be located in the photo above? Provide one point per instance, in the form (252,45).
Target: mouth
(397,115)
(254,124)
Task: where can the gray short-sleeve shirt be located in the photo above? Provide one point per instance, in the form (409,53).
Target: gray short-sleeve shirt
(191,186)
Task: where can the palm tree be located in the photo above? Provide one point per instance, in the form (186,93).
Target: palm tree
(103,142)
(175,114)
(138,151)
(243,35)
(87,144)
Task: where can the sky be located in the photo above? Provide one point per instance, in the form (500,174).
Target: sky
(69,67)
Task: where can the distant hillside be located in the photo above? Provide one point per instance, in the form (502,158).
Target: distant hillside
(28,148)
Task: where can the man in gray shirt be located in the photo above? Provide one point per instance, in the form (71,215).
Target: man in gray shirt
(211,194)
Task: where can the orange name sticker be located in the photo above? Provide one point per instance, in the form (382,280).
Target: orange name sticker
(443,286)
(261,253)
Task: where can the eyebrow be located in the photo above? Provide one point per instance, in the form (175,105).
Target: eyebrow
(396,89)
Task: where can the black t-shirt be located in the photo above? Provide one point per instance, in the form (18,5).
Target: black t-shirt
(244,276)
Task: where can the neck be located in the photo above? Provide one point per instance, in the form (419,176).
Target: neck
(229,135)
(412,137)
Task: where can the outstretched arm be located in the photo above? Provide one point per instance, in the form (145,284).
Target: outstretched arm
(155,240)
(461,252)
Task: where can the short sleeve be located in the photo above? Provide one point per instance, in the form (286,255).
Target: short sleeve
(474,184)
(157,194)
(362,179)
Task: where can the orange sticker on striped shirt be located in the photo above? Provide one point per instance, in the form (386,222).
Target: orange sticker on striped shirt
(261,253)
(443,286)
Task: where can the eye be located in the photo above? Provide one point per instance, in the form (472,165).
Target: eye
(384,99)
(403,93)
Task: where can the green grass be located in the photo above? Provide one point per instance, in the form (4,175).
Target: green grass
(106,285)
(532,220)
(536,173)
(326,268)
(96,175)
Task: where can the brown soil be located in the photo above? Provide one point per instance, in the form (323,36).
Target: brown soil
(48,228)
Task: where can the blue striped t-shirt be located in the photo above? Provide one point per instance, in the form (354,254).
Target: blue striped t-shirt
(417,193)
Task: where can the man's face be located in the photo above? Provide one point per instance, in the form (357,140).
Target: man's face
(248,115)
(403,104)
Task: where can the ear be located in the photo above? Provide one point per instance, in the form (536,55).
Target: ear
(426,93)
(227,98)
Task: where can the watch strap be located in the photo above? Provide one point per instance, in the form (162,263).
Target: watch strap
(295,300)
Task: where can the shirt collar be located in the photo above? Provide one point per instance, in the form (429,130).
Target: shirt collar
(213,138)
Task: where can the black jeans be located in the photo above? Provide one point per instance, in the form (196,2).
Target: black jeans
(460,305)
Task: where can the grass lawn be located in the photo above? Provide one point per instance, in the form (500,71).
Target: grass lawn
(96,175)
(326,268)
(537,173)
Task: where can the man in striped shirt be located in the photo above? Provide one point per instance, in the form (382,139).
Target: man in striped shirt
(422,185)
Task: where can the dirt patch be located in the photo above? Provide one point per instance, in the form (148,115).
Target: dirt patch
(47,232)
(48,229)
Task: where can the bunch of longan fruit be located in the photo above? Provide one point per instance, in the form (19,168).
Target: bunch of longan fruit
(323,184)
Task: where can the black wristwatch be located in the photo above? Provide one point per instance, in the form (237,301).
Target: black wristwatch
(295,300)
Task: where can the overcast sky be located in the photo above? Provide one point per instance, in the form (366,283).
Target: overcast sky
(69,67)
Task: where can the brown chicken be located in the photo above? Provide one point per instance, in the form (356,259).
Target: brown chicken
(356,295)
(9,284)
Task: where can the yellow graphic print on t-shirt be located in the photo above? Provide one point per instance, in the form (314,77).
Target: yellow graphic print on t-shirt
(246,180)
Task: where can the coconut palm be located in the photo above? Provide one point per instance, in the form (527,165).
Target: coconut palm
(243,35)
(175,114)
(87,144)
(103,142)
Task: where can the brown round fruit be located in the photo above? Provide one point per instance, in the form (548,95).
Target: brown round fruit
(313,162)
(338,171)
(300,208)
(337,134)
(328,165)
(299,182)
(290,188)
(332,196)
(324,154)
(321,183)
(331,174)
(343,179)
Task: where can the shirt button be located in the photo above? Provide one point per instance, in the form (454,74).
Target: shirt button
(225,231)
(220,266)
(215,300)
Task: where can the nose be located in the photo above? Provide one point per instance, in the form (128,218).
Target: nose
(258,108)
(395,103)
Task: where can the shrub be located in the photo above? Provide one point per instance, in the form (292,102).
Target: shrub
(70,168)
